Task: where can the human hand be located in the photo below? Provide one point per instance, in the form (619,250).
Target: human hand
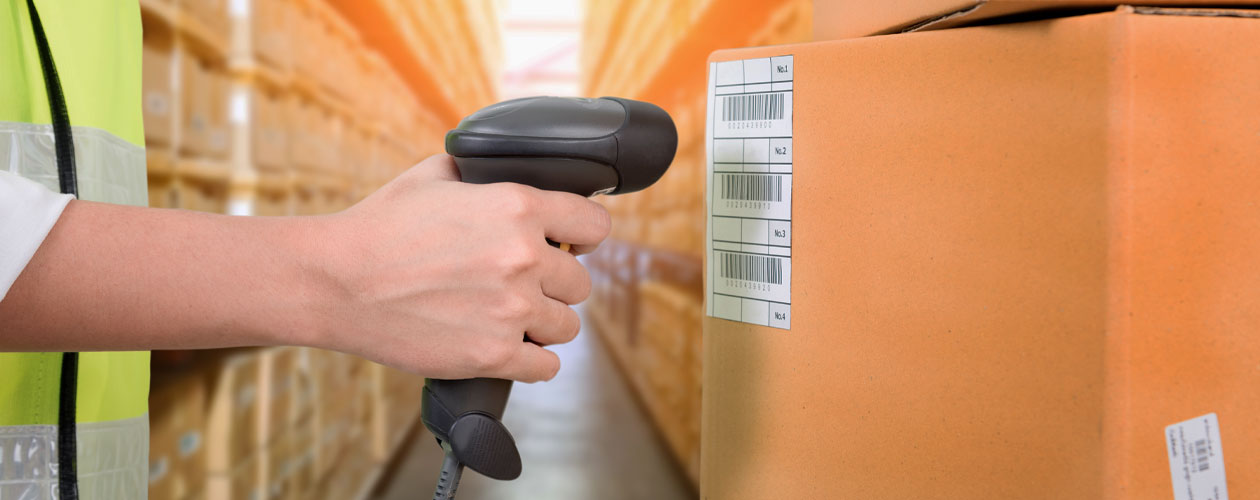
(442,278)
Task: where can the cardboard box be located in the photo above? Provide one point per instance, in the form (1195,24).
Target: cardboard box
(277,384)
(205,93)
(275,194)
(395,406)
(195,89)
(159,99)
(202,195)
(308,38)
(306,389)
(303,482)
(176,435)
(209,16)
(219,96)
(1021,252)
(243,482)
(271,24)
(269,130)
(232,418)
(838,19)
(298,115)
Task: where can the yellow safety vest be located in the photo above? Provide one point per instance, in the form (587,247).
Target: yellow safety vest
(96,45)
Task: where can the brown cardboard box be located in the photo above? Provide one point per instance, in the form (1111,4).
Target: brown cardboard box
(270,142)
(275,475)
(302,461)
(159,98)
(275,194)
(177,426)
(305,390)
(195,89)
(308,39)
(202,195)
(298,113)
(232,419)
(205,95)
(161,183)
(242,483)
(210,16)
(1021,252)
(277,381)
(218,94)
(837,19)
(271,25)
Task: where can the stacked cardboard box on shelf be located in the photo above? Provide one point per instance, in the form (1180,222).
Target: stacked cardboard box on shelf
(177,457)
(160,102)
(647,292)
(283,104)
(277,423)
(232,452)
(1024,263)
(396,397)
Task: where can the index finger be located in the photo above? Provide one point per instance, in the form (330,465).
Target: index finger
(569,218)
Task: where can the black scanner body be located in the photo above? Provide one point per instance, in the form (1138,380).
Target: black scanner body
(583,146)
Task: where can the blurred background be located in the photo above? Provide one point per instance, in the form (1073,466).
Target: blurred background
(281,107)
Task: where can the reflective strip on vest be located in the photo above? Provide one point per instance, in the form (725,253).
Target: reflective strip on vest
(109,169)
(113,460)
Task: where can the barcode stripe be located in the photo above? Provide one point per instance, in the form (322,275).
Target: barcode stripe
(738,108)
(752,268)
(752,187)
(1201,454)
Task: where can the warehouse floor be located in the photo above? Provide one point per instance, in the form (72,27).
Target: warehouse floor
(581,436)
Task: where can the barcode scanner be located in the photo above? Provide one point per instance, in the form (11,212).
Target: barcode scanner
(582,146)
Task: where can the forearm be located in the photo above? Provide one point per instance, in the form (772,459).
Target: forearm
(428,274)
(111,277)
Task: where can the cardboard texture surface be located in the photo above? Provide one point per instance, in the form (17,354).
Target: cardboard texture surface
(838,19)
(1021,251)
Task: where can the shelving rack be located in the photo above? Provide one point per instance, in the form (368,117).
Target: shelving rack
(294,107)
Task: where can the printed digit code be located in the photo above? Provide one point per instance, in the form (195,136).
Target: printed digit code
(739,108)
(751,268)
(752,187)
(1201,454)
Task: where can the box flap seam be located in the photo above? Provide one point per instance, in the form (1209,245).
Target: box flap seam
(944,17)
(1203,12)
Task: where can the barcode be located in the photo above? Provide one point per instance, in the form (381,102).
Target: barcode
(752,268)
(752,187)
(1201,454)
(738,108)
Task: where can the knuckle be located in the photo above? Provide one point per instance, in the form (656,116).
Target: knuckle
(493,357)
(515,308)
(518,258)
(515,200)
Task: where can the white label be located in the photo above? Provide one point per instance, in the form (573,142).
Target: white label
(156,103)
(189,443)
(1195,459)
(748,141)
(158,469)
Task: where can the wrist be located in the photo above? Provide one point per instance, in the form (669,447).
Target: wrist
(307,257)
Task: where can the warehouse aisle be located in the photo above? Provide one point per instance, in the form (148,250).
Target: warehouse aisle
(581,436)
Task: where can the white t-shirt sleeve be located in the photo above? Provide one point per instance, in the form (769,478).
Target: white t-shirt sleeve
(28,211)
